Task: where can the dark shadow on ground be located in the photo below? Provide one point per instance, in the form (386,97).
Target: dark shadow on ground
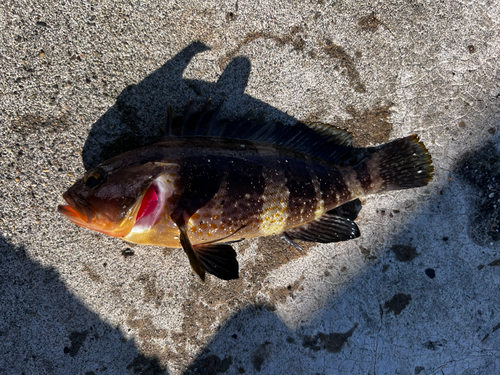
(44,329)
(141,109)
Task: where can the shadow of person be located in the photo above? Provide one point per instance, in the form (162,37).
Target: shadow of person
(45,329)
(141,109)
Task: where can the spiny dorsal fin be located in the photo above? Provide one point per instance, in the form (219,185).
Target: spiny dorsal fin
(315,139)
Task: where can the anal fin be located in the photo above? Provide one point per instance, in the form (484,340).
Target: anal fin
(334,226)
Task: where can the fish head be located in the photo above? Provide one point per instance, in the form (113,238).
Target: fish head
(112,198)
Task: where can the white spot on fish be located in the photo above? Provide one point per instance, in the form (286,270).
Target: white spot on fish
(320,208)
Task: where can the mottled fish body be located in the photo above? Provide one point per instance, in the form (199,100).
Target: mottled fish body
(207,183)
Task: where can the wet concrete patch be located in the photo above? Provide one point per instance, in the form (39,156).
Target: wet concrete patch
(151,293)
(346,63)
(290,38)
(260,355)
(31,124)
(369,23)
(93,274)
(430,273)
(481,169)
(404,253)
(210,365)
(332,342)
(145,366)
(369,126)
(397,303)
(77,339)
(495,263)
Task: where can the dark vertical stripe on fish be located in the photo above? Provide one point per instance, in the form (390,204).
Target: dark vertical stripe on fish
(241,204)
(363,175)
(201,183)
(302,199)
(334,189)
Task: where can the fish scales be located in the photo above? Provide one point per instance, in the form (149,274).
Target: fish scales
(256,190)
(209,185)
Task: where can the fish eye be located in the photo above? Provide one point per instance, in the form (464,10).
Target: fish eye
(94,177)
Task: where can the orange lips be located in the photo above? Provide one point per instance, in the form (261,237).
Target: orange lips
(82,214)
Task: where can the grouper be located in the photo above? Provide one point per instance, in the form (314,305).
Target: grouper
(208,183)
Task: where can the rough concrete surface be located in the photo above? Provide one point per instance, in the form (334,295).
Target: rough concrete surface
(417,293)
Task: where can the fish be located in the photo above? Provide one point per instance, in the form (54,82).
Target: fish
(207,183)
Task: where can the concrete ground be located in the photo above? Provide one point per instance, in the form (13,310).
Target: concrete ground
(417,293)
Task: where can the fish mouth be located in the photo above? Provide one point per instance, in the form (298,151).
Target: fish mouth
(81,213)
(77,210)
(141,217)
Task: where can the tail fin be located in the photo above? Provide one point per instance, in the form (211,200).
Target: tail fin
(404,163)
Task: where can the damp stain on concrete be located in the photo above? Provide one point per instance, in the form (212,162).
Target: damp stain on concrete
(370,126)
(151,294)
(31,124)
(207,307)
(404,253)
(481,170)
(495,263)
(145,366)
(397,303)
(331,342)
(259,355)
(369,23)
(210,365)
(346,63)
(291,38)
(77,339)
(93,274)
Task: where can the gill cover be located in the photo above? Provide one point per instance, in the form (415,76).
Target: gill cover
(110,200)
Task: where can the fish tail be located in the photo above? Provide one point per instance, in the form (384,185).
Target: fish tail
(402,164)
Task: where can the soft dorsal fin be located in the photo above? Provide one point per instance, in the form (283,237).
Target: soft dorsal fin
(315,139)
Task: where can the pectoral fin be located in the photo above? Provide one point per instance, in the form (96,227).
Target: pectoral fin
(334,226)
(194,260)
(217,259)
